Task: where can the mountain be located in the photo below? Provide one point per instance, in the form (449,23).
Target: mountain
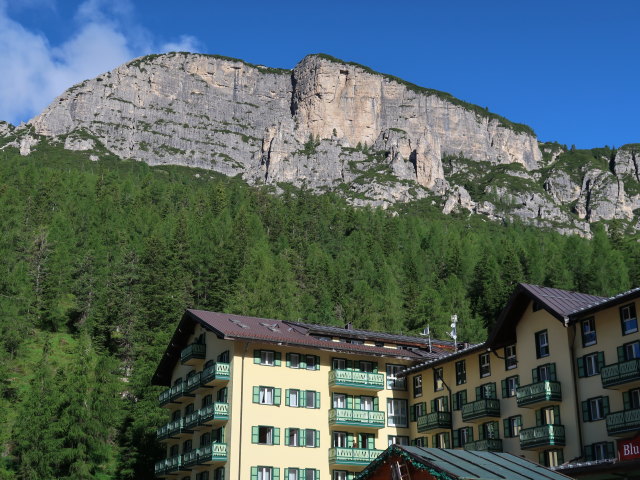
(330,125)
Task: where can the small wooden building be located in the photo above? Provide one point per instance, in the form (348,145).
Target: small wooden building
(400,462)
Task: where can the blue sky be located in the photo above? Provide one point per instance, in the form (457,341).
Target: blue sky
(570,69)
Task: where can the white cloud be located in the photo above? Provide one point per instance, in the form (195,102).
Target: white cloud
(35,72)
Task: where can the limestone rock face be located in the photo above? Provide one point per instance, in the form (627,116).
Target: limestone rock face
(562,188)
(603,198)
(627,162)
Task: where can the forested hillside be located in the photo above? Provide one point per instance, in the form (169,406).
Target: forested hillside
(99,259)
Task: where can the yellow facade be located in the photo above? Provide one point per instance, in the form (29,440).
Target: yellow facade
(545,416)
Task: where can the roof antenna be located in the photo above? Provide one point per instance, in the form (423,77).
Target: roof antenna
(454,330)
(426,332)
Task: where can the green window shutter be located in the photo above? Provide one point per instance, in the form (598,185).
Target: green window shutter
(517,381)
(351,476)
(552,371)
(478,393)
(412,413)
(286,473)
(371,443)
(256,356)
(519,420)
(349,440)
(434,440)
(456,439)
(600,361)
(286,437)
(376,403)
(276,396)
(286,397)
(349,364)
(621,354)
(254,473)
(302,398)
(541,458)
(375,367)
(433,405)
(494,428)
(605,405)
(492,390)
(455,402)
(611,453)
(356,365)
(464,398)
(317,400)
(317,476)
(276,436)
(278,358)
(585,412)
(276,473)
(538,418)
(317,366)
(446,404)
(505,428)
(556,415)
(303,361)
(446,440)
(560,457)
(256,394)
(626,400)
(505,394)
(534,375)
(581,372)
(254,435)
(481,432)
(317,445)
(303,437)
(357,403)
(588,452)
(288,357)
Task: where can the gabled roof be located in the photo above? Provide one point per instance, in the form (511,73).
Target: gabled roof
(561,303)
(239,327)
(464,465)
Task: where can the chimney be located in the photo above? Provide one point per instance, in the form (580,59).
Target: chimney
(349,326)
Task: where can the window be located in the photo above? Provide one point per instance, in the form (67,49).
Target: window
(396,412)
(205,439)
(509,386)
(222,394)
(441,440)
(512,426)
(224,357)
(438,384)
(266,395)
(419,442)
(418,410)
(590,365)
(338,364)
(266,357)
(485,365)
(595,409)
(542,344)
(588,332)
(631,399)
(293,396)
(264,473)
(487,390)
(293,361)
(628,319)
(312,363)
(339,439)
(339,400)
(187,446)
(398,440)
(631,350)
(548,416)
(310,399)
(339,475)
(311,474)
(207,400)
(310,436)
(599,451)
(489,430)
(393,382)
(544,373)
(462,436)
(366,403)
(264,435)
(417,386)
(293,437)
(459,399)
(218,474)
(461,372)
(366,367)
(551,458)
(202,476)
(510,360)
(440,404)
(292,474)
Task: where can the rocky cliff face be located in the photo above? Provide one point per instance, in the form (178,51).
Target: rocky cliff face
(328,124)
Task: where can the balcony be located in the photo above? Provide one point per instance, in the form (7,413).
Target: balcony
(434,421)
(623,422)
(538,395)
(191,420)
(621,376)
(356,379)
(193,354)
(173,394)
(542,437)
(169,466)
(481,409)
(352,456)
(190,459)
(172,430)
(216,373)
(487,445)
(161,468)
(212,413)
(358,418)
(216,452)
(193,382)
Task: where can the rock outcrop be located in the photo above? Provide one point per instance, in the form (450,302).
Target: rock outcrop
(334,125)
